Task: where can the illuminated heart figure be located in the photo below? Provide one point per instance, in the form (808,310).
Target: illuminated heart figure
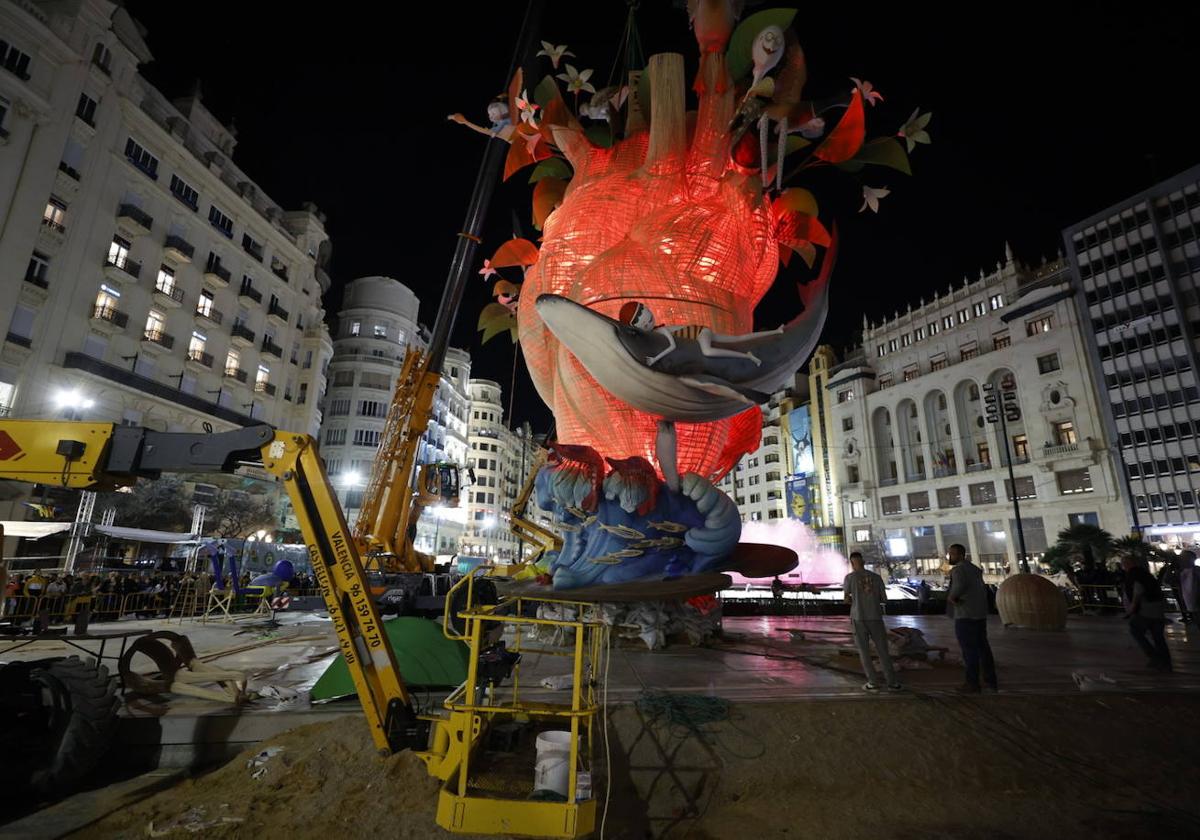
(663,218)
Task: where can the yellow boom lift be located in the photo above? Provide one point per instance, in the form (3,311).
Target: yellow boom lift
(102,456)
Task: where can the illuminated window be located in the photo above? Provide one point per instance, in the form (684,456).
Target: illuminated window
(1039,325)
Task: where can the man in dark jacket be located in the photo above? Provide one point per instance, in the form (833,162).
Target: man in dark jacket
(967,604)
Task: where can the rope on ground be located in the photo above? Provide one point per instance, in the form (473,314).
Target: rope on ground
(689,712)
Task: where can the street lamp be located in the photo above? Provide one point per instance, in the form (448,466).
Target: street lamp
(70,402)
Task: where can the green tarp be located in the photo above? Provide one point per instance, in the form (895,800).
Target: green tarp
(427,659)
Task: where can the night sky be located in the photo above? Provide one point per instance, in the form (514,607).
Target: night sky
(1038,121)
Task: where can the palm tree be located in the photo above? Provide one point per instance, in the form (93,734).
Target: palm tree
(1058,558)
(1135,547)
(1091,542)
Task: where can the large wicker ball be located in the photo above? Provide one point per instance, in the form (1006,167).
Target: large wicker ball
(1031,601)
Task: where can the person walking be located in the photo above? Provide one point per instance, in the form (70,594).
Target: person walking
(967,604)
(1146,609)
(866,593)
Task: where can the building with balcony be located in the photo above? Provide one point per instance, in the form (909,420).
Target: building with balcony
(757,481)
(121,212)
(501,459)
(1137,272)
(375,329)
(915,460)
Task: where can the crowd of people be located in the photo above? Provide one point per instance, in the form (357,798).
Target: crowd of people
(110,595)
(1143,598)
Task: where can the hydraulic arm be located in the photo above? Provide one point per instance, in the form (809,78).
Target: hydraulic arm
(105,456)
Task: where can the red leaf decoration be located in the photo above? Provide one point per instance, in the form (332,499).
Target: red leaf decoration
(547,195)
(515,252)
(847,138)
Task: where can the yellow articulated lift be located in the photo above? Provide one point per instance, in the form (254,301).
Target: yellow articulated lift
(86,455)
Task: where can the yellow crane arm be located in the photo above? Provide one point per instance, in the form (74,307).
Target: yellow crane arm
(106,456)
(387,506)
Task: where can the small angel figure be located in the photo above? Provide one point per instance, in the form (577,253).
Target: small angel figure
(497,111)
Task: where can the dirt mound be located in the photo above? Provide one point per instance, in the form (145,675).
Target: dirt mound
(912,766)
(327,777)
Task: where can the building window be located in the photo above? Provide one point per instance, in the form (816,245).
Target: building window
(55,214)
(380,331)
(774,514)
(933,328)
(964,315)
(185,192)
(86,109)
(911,373)
(335,437)
(979,309)
(755,498)
(938,363)
(968,351)
(1000,341)
(858,509)
(949,497)
(21,325)
(1020,448)
(890,505)
(1074,481)
(156,325)
(845,396)
(996,302)
(1048,364)
(920,334)
(918,501)
(371,408)
(885,382)
(233,362)
(339,407)
(141,158)
(906,340)
(862,535)
(102,57)
(1064,433)
(847,424)
(366,437)
(893,346)
(166,280)
(252,246)
(14,61)
(881,351)
(852,474)
(196,346)
(1025,488)
(1039,325)
(355,327)
(39,264)
(204,303)
(983,493)
(220,221)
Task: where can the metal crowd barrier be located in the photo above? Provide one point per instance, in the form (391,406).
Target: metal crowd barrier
(111,606)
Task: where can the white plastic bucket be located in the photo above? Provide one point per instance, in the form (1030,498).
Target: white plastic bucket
(553,768)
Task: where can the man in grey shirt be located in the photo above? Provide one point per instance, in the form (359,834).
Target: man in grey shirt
(865,592)
(967,604)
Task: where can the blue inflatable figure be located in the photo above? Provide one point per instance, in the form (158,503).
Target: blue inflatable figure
(628,525)
(278,578)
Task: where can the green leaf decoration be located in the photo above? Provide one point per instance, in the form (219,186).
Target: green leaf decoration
(552,168)
(600,134)
(546,91)
(885,151)
(495,319)
(738,58)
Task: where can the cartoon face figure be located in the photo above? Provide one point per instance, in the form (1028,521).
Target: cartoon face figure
(767,50)
(637,315)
